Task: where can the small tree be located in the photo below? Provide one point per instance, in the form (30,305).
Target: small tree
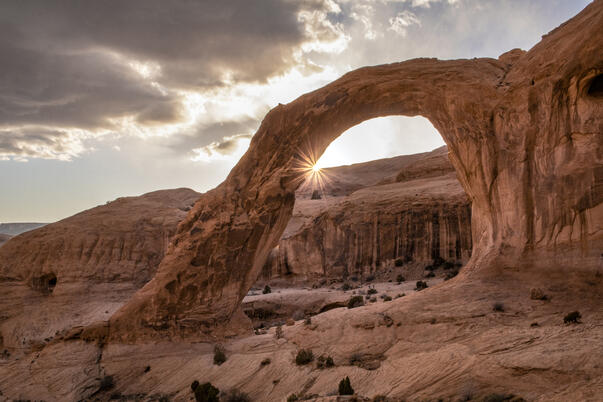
(421,285)
(345,388)
(400,279)
(278,332)
(267,290)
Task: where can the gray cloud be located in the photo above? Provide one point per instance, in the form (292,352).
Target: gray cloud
(79,65)
(39,142)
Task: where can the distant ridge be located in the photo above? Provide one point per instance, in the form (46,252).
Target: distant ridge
(17,228)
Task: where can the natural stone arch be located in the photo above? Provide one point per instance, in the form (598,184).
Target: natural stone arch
(524,135)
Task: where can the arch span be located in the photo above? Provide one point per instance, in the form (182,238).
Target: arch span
(523,136)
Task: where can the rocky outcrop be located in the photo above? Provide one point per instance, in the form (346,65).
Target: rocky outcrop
(81,269)
(422,215)
(524,135)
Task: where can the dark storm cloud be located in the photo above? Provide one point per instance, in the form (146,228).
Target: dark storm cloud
(68,64)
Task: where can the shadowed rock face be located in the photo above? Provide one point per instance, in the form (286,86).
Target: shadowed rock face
(417,213)
(524,135)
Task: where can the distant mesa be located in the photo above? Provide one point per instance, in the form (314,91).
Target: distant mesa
(16,228)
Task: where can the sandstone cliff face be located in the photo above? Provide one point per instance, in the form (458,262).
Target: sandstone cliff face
(422,216)
(524,134)
(81,269)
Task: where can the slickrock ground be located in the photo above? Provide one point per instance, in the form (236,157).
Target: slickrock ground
(417,213)
(83,268)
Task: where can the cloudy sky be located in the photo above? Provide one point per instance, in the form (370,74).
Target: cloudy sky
(101,99)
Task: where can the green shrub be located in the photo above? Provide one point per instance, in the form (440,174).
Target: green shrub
(387,298)
(345,388)
(205,392)
(400,279)
(356,301)
(371,291)
(292,398)
(267,290)
(304,356)
(573,317)
(219,355)
(234,395)
(399,262)
(421,285)
(266,362)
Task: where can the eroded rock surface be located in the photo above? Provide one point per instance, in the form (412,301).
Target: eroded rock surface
(4,238)
(418,214)
(81,269)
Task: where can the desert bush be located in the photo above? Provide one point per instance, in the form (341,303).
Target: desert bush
(205,392)
(502,398)
(438,261)
(537,294)
(400,279)
(498,306)
(308,321)
(356,301)
(324,361)
(373,299)
(370,278)
(430,268)
(267,289)
(451,274)
(430,274)
(279,332)
(448,265)
(147,369)
(234,395)
(421,285)
(292,398)
(573,317)
(400,295)
(106,383)
(346,286)
(387,298)
(219,355)
(266,362)
(379,398)
(372,291)
(399,262)
(345,388)
(304,356)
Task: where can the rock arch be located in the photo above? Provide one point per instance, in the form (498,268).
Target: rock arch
(524,134)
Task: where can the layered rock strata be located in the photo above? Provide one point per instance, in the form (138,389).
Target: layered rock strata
(422,214)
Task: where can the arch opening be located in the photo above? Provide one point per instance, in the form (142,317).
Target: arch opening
(45,283)
(384,205)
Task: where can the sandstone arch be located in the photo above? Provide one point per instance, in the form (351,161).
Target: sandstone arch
(524,134)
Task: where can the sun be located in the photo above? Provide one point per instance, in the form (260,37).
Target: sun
(315,168)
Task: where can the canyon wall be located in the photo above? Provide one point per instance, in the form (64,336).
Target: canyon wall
(419,214)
